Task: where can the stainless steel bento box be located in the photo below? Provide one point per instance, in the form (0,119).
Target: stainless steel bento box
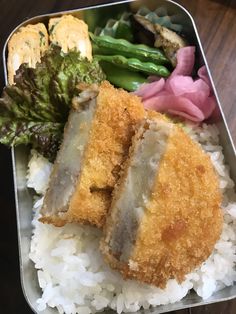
(24,198)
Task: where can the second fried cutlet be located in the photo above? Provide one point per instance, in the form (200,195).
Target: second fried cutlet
(96,142)
(163,207)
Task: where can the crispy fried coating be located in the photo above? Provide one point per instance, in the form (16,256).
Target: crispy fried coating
(111,131)
(181,221)
(110,138)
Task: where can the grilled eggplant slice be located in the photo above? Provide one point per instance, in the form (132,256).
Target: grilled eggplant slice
(170,41)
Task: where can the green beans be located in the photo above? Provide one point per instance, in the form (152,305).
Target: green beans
(123,78)
(113,46)
(127,65)
(135,65)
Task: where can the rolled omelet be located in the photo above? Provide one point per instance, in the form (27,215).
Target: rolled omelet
(167,199)
(27,45)
(69,32)
(96,141)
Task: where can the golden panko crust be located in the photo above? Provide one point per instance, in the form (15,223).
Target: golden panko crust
(182,219)
(110,137)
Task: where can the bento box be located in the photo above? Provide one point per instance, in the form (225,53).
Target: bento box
(94,16)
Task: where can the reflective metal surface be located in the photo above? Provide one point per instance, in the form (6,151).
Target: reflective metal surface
(96,16)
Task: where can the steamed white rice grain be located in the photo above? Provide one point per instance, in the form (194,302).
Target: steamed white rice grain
(39,170)
(75,279)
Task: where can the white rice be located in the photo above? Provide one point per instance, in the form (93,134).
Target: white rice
(38,173)
(74,278)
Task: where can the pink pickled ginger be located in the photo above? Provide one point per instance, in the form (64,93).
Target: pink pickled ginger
(180,94)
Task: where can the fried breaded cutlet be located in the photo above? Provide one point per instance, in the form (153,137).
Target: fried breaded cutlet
(27,45)
(96,142)
(165,217)
(69,32)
